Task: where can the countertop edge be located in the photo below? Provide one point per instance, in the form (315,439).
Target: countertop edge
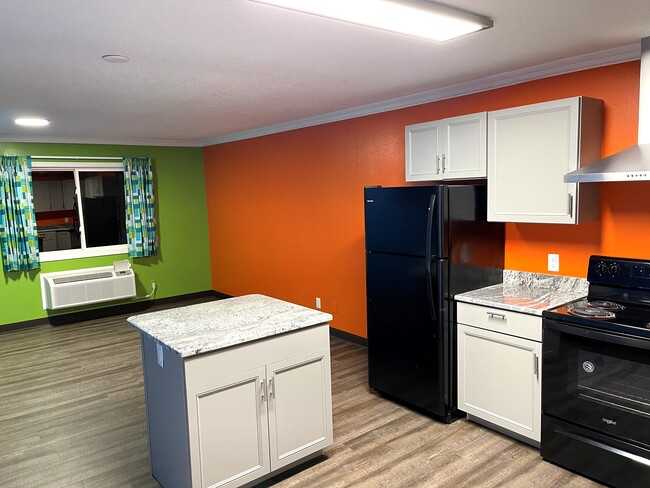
(501,306)
(228,344)
(212,326)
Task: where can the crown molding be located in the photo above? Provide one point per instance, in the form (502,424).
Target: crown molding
(111,142)
(607,57)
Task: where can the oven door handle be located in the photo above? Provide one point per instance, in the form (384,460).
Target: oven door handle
(611,338)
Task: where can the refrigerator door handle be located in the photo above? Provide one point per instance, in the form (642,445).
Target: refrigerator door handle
(432,308)
(430,212)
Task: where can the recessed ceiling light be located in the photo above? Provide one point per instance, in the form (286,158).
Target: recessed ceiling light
(32,122)
(418,18)
(115,58)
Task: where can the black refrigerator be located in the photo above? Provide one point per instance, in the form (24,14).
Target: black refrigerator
(424,244)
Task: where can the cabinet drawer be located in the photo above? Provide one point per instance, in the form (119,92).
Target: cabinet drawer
(499,320)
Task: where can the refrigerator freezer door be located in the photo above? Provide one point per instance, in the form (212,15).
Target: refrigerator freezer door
(405,220)
(405,334)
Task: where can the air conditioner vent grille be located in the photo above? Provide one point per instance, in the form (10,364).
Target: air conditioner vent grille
(82,277)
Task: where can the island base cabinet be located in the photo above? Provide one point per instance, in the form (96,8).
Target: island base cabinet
(228,428)
(258,408)
(299,407)
(238,415)
(248,425)
(499,380)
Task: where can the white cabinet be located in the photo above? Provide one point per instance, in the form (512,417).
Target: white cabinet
(249,424)
(241,414)
(69,196)
(451,148)
(530,149)
(228,423)
(41,190)
(299,407)
(51,195)
(48,240)
(499,369)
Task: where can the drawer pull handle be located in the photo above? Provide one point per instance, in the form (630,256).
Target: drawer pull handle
(495,315)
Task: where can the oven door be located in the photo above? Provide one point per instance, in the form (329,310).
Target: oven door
(598,380)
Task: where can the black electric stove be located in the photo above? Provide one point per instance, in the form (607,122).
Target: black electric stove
(596,376)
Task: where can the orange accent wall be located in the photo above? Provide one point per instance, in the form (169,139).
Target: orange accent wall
(286,211)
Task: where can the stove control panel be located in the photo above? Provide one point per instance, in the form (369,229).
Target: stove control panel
(619,272)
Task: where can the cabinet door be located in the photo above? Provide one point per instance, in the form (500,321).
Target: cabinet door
(300,407)
(49,241)
(423,149)
(464,152)
(530,149)
(228,429)
(499,379)
(69,197)
(56,195)
(41,196)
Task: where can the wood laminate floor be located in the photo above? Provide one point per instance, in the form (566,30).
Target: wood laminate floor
(72,414)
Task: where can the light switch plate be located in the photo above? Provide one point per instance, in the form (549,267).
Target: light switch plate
(554,262)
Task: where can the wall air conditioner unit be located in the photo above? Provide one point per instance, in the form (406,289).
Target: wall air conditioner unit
(86,286)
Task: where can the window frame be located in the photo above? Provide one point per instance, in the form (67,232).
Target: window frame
(83,252)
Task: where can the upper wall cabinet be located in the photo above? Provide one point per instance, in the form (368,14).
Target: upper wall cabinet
(447,149)
(530,149)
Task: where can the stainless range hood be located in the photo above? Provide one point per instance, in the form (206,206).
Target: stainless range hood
(632,164)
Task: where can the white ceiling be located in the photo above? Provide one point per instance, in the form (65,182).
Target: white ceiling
(205,71)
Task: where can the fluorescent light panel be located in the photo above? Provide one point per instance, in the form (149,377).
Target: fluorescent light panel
(417,18)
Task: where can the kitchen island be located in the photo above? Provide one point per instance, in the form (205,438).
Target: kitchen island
(236,390)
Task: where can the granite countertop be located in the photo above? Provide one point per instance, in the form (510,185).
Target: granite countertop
(529,293)
(206,327)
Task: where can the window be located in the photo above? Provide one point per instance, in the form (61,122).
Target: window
(79,209)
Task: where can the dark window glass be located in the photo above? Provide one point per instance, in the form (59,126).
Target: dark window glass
(58,214)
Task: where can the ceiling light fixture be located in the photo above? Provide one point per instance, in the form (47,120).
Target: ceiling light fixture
(115,58)
(32,122)
(418,18)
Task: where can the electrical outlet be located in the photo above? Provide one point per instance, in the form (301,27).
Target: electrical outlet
(318,302)
(554,262)
(335,307)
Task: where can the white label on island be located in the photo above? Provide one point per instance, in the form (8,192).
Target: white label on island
(159,353)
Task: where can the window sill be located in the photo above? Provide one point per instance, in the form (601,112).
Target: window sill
(49,256)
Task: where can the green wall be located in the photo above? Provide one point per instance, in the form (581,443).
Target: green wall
(183,262)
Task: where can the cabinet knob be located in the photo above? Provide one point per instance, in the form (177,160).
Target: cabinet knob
(437,165)
(444,159)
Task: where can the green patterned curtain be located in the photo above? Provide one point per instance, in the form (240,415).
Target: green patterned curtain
(18,233)
(139,199)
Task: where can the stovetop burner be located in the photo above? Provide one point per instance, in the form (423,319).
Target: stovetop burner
(586,309)
(595,309)
(605,305)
